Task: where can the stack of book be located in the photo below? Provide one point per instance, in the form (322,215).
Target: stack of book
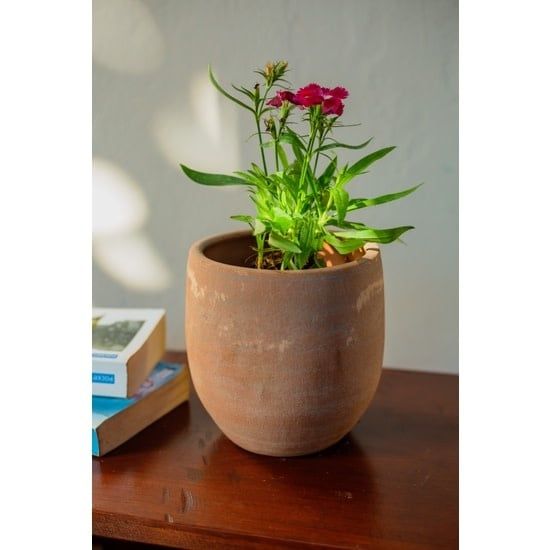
(131,386)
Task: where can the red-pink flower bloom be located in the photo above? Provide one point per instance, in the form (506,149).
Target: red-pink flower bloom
(338,92)
(333,106)
(329,98)
(309,95)
(282,95)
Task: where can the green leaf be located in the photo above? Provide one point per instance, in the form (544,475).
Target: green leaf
(212,179)
(355,204)
(298,147)
(249,177)
(259,227)
(366,161)
(336,144)
(341,200)
(282,156)
(326,176)
(243,218)
(282,243)
(345,224)
(344,246)
(281,219)
(290,181)
(290,136)
(226,94)
(340,125)
(257,171)
(375,235)
(244,91)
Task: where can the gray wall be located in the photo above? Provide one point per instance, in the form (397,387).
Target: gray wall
(153,108)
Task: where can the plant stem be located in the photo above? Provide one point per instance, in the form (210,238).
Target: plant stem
(276,155)
(307,159)
(261,144)
(258,116)
(260,245)
(319,143)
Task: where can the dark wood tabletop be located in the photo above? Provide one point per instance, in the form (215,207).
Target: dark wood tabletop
(392,483)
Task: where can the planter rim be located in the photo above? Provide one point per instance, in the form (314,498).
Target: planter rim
(372,250)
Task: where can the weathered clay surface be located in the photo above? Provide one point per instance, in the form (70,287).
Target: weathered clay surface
(285,362)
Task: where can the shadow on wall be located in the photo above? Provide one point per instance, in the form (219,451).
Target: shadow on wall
(126,38)
(120,245)
(195,132)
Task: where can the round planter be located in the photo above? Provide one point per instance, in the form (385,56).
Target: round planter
(287,362)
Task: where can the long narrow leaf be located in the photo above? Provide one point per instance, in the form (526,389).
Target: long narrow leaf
(282,155)
(356,204)
(326,176)
(343,146)
(298,147)
(345,224)
(212,179)
(251,178)
(375,235)
(341,199)
(278,241)
(366,161)
(344,246)
(226,94)
(244,91)
(242,218)
(292,137)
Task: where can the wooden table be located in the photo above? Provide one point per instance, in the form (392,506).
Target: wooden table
(392,483)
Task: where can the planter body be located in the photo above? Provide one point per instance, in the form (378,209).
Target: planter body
(285,362)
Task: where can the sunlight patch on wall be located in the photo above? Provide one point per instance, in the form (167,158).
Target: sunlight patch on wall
(199,131)
(132,261)
(119,205)
(120,246)
(205,104)
(126,38)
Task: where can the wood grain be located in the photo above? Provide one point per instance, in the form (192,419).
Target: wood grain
(392,483)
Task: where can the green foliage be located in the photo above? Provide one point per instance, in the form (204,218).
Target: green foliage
(300,206)
(212,179)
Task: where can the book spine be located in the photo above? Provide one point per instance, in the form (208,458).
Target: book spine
(109,378)
(95,443)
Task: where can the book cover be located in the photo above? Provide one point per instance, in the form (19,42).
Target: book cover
(115,420)
(126,345)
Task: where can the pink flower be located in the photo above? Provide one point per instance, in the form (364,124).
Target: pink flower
(329,98)
(309,95)
(333,106)
(282,95)
(338,92)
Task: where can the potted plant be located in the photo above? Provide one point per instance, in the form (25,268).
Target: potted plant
(285,321)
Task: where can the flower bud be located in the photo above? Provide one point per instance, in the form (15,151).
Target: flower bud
(270,126)
(279,69)
(269,69)
(273,71)
(284,112)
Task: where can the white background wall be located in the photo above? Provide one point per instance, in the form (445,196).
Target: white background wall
(153,108)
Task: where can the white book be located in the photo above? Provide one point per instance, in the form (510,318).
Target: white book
(126,346)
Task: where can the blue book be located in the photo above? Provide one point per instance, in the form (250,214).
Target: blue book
(115,420)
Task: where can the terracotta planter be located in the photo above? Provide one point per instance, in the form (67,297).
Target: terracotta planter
(285,362)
